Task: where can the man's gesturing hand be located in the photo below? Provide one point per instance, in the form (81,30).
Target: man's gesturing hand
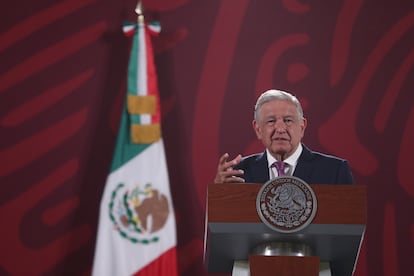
(226,172)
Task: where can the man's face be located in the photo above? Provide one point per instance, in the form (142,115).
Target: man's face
(279,128)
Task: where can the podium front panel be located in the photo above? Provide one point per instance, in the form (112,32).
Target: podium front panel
(234,229)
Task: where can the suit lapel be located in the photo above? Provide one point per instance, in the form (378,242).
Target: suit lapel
(260,171)
(304,166)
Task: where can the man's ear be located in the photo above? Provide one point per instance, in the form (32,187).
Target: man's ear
(304,125)
(256,128)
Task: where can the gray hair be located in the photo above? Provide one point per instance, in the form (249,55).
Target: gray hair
(277,95)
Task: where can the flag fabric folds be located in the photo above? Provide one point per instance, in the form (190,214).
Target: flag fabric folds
(137,230)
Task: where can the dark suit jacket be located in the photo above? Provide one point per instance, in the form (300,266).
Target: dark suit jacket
(312,167)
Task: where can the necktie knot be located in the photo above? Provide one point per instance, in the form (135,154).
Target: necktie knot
(280,167)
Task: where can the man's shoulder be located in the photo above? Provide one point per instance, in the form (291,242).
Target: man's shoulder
(253,156)
(316,155)
(327,156)
(322,168)
(251,159)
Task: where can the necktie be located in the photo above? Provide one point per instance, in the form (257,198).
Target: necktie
(280,167)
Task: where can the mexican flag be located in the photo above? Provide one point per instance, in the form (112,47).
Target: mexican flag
(136,231)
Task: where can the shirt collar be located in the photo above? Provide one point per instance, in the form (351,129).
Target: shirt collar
(291,160)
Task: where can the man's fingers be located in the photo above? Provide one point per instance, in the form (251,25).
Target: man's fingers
(235,179)
(226,171)
(223,158)
(236,160)
(231,172)
(225,165)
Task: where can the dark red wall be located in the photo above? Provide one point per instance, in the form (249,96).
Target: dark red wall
(62,82)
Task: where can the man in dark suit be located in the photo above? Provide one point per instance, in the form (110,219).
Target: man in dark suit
(280,125)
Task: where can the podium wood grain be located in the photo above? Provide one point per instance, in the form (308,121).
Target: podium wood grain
(337,204)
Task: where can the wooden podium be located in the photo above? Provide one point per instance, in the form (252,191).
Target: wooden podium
(234,229)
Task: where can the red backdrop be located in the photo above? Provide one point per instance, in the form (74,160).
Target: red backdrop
(62,82)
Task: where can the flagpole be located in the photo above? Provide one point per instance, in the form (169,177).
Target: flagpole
(140,12)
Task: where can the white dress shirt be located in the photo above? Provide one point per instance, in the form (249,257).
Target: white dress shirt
(290,162)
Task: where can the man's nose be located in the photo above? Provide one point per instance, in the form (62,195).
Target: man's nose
(280,126)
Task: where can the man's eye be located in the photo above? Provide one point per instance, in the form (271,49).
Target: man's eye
(271,121)
(288,121)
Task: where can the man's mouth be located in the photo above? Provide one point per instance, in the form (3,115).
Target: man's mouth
(280,139)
